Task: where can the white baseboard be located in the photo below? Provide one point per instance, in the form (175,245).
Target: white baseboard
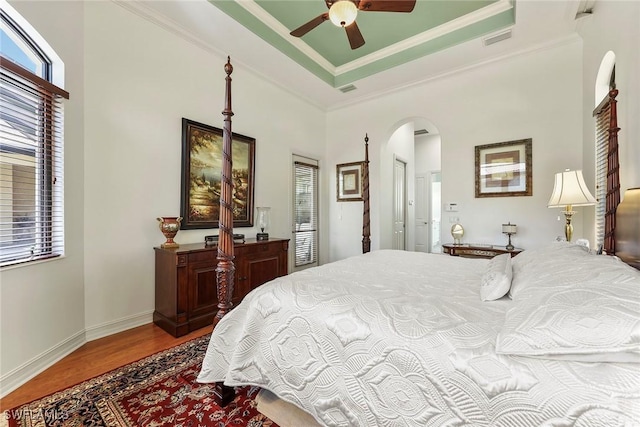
(23,373)
(119,325)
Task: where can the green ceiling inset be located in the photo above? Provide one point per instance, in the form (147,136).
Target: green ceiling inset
(379,29)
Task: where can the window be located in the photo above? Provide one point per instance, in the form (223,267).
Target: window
(31,164)
(607,162)
(305,211)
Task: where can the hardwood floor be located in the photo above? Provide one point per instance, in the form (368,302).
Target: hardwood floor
(95,358)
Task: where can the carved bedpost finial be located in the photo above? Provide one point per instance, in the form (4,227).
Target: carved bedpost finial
(228,68)
(366,220)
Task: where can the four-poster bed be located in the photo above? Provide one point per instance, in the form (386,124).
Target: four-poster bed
(398,338)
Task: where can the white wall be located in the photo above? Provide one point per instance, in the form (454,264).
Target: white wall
(42,305)
(427,153)
(600,36)
(535,95)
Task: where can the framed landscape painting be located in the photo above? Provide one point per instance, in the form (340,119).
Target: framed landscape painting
(201,175)
(504,169)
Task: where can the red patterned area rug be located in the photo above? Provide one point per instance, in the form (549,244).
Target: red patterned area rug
(160,390)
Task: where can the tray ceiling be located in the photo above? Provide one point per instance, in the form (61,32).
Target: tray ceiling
(392,39)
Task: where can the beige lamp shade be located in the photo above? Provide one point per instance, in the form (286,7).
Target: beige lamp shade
(509,228)
(570,189)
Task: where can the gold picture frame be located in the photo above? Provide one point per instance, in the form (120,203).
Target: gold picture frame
(201,174)
(504,169)
(349,182)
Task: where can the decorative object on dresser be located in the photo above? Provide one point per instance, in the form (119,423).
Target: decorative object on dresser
(202,162)
(186,299)
(504,169)
(509,229)
(457,231)
(213,239)
(263,222)
(477,250)
(570,190)
(349,182)
(169,225)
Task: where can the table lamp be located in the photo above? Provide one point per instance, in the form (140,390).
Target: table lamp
(263,223)
(509,229)
(569,190)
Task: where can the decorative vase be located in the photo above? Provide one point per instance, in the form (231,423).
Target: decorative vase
(457,231)
(169,225)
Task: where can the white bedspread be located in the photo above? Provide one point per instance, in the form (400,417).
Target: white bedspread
(395,338)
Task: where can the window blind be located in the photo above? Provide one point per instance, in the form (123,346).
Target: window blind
(31,167)
(305,211)
(602,144)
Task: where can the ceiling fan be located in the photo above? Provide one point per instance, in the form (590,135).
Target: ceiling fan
(343,14)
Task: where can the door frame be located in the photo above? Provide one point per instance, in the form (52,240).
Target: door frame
(397,159)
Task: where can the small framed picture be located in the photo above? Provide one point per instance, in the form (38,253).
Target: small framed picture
(504,169)
(349,182)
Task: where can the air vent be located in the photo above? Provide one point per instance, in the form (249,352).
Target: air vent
(497,37)
(420,132)
(347,88)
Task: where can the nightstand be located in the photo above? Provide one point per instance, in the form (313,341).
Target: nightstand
(477,250)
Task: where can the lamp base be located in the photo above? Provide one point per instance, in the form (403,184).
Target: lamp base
(568,228)
(509,246)
(262,236)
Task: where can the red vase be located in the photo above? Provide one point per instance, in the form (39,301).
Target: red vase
(169,225)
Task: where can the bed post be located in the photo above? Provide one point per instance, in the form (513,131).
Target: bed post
(612,198)
(225,269)
(366,220)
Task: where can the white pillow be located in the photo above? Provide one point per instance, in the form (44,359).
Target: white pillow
(596,319)
(538,267)
(496,280)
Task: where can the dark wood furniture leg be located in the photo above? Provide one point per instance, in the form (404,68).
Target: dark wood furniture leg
(223,394)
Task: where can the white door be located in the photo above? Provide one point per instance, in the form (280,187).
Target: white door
(422,213)
(399,195)
(435,202)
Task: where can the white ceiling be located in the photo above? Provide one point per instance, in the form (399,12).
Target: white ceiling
(539,23)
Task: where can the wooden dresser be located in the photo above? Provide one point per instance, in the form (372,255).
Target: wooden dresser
(477,251)
(186,294)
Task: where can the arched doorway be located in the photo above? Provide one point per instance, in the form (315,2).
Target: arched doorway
(412,218)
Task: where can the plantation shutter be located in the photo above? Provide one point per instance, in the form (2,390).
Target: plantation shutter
(305,211)
(607,135)
(602,142)
(31,166)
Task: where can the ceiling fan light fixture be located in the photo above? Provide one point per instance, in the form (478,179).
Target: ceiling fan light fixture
(343,13)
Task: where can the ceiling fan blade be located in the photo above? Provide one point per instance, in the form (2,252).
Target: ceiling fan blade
(387,5)
(305,28)
(354,35)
